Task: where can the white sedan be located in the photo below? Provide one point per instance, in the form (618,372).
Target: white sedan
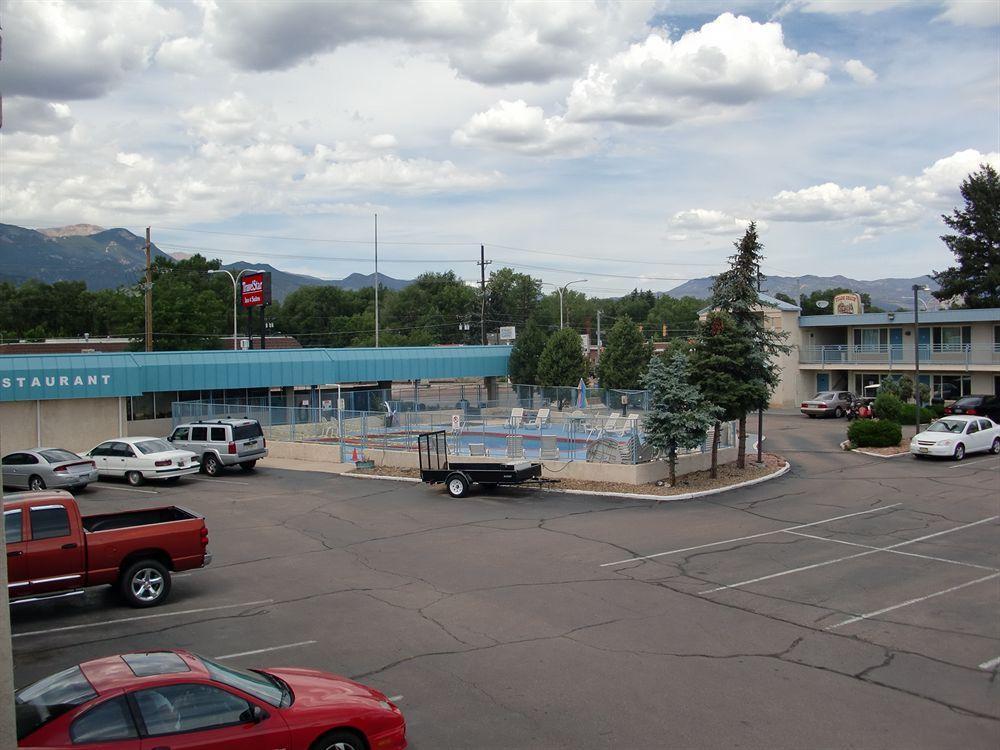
(141,458)
(957,435)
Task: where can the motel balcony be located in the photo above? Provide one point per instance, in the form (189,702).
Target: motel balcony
(951,355)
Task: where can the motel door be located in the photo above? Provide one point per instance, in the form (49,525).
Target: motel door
(822,381)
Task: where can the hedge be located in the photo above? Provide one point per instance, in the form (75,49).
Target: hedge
(887,406)
(927,415)
(874,433)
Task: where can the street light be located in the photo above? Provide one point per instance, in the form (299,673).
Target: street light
(561,289)
(235,279)
(916,349)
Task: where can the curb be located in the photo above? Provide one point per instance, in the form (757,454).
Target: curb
(878,455)
(624,495)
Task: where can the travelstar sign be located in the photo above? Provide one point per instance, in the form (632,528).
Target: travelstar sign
(256,288)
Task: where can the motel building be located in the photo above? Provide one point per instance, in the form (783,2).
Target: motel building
(959,350)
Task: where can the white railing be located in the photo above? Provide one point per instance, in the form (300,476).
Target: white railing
(946,354)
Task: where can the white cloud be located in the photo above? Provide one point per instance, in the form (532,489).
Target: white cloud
(233,118)
(971,12)
(727,64)
(515,126)
(60,50)
(383,141)
(860,72)
(184,55)
(23,115)
(708,221)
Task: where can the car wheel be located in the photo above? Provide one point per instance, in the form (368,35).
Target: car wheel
(457,485)
(145,583)
(339,740)
(36,483)
(995,448)
(248,465)
(959,452)
(838,413)
(210,465)
(134,478)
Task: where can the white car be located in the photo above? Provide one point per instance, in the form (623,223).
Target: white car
(957,435)
(141,458)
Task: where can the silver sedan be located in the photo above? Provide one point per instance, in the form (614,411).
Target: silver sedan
(47,468)
(828,404)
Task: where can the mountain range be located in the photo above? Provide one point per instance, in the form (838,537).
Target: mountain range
(109,258)
(889,294)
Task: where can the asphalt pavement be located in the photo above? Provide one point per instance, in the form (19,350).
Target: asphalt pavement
(851,603)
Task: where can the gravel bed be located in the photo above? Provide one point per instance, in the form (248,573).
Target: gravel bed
(694,482)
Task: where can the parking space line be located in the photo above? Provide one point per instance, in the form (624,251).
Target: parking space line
(395,698)
(265,650)
(893,551)
(105,486)
(751,536)
(913,601)
(991,664)
(849,557)
(104,623)
(218,481)
(963,464)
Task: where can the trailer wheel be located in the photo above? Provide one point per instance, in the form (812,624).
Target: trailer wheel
(457,484)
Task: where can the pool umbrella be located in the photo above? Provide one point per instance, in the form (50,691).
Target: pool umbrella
(581,399)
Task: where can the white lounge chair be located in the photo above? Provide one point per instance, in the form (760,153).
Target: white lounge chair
(550,448)
(541,419)
(516,418)
(478,449)
(628,425)
(515,446)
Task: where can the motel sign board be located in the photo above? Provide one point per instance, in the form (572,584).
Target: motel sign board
(256,289)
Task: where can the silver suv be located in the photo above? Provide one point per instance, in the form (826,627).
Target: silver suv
(222,442)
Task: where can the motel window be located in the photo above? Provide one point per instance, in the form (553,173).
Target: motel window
(951,338)
(871,339)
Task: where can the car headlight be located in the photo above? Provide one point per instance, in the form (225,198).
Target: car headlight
(944,442)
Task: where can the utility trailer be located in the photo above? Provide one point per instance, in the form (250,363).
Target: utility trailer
(435,468)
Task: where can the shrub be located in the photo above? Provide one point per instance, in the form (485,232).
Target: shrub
(927,414)
(888,406)
(889,385)
(874,433)
(905,388)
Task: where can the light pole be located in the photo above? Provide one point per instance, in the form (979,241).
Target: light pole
(235,279)
(916,351)
(562,289)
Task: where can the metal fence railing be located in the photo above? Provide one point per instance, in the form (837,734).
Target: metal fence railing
(594,433)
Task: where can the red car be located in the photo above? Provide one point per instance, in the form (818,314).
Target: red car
(178,701)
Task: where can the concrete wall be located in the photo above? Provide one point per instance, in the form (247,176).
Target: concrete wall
(149,427)
(75,424)
(618,473)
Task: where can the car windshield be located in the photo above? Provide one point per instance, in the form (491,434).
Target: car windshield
(247,431)
(967,402)
(954,426)
(56,455)
(259,684)
(49,699)
(154,446)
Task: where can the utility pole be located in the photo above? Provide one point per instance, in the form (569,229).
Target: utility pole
(376,281)
(482,285)
(760,412)
(149,297)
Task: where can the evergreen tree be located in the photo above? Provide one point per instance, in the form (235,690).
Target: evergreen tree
(736,291)
(718,369)
(524,355)
(562,361)
(976,245)
(625,356)
(678,415)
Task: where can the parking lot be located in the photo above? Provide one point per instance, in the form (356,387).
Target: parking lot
(852,603)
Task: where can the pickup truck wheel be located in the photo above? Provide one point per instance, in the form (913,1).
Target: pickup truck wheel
(248,465)
(145,583)
(36,484)
(210,465)
(457,485)
(134,478)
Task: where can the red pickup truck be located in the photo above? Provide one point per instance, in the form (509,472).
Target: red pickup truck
(53,551)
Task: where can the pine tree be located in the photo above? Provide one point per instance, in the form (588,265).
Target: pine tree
(562,361)
(976,245)
(624,358)
(523,363)
(718,368)
(678,415)
(736,292)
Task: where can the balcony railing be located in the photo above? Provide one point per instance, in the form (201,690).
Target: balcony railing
(889,356)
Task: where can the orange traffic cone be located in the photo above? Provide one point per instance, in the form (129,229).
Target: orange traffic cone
(354,456)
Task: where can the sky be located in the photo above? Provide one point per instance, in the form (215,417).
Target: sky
(624,143)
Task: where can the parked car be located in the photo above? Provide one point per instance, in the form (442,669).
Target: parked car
(163,699)
(222,442)
(43,468)
(141,458)
(828,403)
(54,551)
(955,436)
(978,406)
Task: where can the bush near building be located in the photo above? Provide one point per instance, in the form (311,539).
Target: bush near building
(927,414)
(888,407)
(874,433)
